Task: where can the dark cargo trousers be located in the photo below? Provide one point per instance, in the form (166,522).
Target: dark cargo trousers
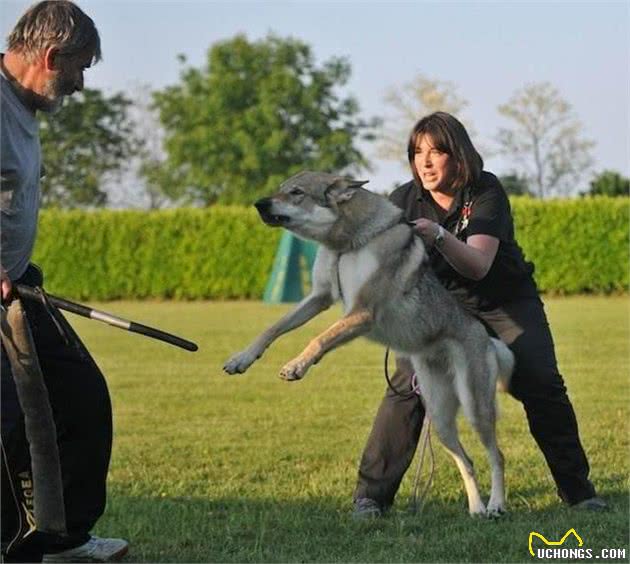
(536,382)
(83,416)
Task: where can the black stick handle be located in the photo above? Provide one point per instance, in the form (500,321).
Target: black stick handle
(85,311)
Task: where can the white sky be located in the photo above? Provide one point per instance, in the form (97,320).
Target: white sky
(487,49)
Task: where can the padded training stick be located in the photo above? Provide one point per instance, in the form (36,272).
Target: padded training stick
(37,294)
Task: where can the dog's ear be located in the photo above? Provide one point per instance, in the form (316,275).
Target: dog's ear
(342,189)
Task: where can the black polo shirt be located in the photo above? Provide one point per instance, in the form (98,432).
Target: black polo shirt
(488,212)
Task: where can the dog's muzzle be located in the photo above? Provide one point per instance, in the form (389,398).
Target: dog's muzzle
(264,207)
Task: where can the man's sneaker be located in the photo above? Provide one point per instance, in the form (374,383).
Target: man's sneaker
(591,504)
(366,508)
(94,550)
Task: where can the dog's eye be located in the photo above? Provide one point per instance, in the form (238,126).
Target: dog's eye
(296,192)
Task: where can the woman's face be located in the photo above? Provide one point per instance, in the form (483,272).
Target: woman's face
(435,168)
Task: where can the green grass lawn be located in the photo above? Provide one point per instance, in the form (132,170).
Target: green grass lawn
(212,468)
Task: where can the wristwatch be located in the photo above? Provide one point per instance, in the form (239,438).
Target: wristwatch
(439,238)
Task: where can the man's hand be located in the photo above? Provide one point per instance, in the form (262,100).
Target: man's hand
(7,287)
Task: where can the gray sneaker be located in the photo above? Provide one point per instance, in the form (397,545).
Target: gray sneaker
(366,508)
(591,504)
(94,550)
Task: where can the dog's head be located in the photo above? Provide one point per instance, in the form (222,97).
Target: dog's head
(308,203)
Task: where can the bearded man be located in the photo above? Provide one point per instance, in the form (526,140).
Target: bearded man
(49,49)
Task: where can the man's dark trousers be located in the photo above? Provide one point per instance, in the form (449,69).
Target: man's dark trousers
(536,382)
(83,415)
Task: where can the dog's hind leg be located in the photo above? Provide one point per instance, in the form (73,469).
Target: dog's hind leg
(442,404)
(487,433)
(477,394)
(447,432)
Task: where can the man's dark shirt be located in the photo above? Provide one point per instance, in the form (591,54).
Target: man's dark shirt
(510,276)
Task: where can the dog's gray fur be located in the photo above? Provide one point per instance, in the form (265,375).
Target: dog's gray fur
(373,261)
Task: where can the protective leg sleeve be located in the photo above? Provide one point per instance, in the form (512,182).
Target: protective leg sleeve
(39,495)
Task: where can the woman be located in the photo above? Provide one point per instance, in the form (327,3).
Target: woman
(463,215)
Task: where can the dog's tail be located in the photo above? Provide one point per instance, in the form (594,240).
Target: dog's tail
(505,360)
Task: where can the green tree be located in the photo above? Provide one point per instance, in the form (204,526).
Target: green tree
(544,140)
(515,185)
(254,114)
(88,141)
(153,185)
(407,104)
(609,183)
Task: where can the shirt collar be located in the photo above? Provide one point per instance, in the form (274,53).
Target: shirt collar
(425,196)
(11,83)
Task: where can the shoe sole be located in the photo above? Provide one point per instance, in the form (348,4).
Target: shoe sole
(115,557)
(367,515)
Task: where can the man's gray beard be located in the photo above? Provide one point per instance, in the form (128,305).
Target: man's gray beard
(52,100)
(50,106)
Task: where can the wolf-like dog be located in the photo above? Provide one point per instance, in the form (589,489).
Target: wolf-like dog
(370,258)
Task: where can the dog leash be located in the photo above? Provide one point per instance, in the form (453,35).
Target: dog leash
(406,395)
(417,501)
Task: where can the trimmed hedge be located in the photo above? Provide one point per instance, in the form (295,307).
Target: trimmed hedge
(578,246)
(227,252)
(220,252)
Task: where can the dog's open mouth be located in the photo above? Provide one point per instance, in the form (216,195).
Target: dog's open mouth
(264,207)
(275,220)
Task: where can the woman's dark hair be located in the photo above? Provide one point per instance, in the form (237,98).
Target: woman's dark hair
(449,136)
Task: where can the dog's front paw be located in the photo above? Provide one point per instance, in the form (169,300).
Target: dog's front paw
(294,370)
(240,362)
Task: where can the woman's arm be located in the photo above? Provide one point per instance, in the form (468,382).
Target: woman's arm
(471,259)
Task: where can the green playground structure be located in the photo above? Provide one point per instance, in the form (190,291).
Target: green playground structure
(290,278)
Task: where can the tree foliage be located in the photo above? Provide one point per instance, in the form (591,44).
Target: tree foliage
(408,104)
(515,185)
(254,114)
(87,141)
(544,140)
(152,183)
(610,183)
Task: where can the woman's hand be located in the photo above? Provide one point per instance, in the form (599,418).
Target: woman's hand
(427,229)
(472,259)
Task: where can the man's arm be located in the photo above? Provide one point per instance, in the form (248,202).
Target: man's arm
(5,283)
